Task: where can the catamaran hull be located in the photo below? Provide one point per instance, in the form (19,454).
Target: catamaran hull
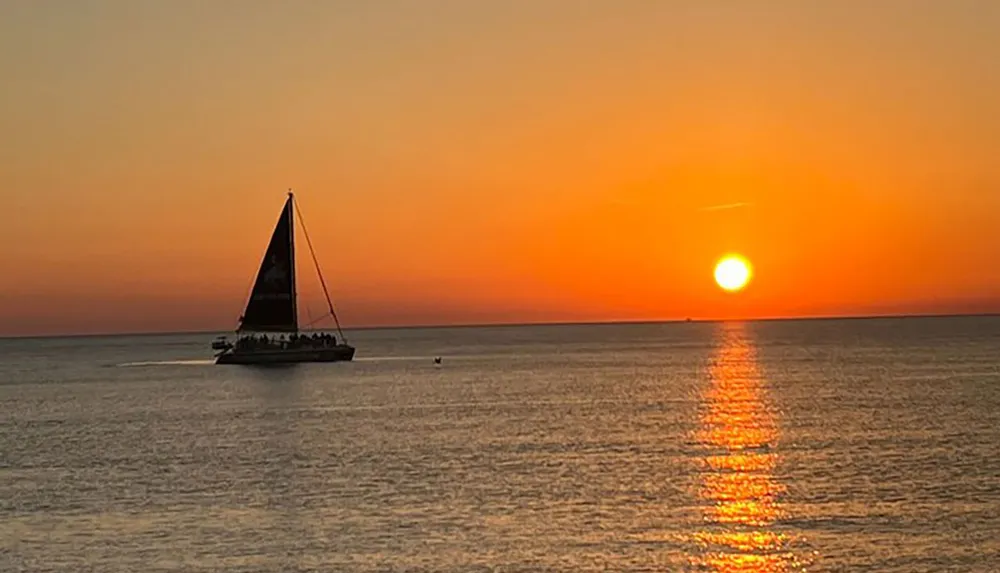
(339,353)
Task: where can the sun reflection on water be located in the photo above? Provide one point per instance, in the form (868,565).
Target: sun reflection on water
(738,435)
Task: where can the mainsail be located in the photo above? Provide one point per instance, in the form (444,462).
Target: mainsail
(271,307)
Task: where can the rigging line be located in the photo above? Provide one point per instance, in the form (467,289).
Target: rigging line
(249,293)
(253,280)
(312,322)
(319,272)
(308,315)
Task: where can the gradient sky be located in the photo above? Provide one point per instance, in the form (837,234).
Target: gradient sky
(515,160)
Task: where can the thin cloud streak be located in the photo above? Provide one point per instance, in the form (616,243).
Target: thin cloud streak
(726,207)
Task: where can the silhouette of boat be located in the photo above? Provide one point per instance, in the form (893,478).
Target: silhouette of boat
(269,328)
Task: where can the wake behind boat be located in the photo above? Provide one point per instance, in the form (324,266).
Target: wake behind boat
(269,328)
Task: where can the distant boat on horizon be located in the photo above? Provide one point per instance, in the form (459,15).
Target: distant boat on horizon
(269,328)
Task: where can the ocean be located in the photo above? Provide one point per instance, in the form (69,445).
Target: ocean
(826,445)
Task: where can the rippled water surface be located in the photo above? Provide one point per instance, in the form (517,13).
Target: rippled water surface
(856,445)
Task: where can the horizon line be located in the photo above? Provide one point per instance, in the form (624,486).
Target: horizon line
(428,326)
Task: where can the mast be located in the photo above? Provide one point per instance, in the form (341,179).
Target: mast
(319,272)
(291,252)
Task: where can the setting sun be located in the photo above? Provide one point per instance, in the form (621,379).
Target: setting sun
(732,273)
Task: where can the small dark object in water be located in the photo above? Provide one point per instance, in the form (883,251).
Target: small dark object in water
(437,360)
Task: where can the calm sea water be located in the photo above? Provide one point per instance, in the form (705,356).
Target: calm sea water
(856,445)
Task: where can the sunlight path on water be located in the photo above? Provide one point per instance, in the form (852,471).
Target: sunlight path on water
(738,437)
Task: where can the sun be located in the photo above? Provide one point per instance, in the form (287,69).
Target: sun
(733,273)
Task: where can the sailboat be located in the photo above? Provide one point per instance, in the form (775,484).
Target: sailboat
(269,328)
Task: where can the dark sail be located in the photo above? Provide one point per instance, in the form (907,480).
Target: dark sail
(271,307)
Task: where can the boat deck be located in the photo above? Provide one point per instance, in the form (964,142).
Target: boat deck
(335,353)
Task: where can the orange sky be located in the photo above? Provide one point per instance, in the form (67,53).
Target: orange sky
(508,161)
